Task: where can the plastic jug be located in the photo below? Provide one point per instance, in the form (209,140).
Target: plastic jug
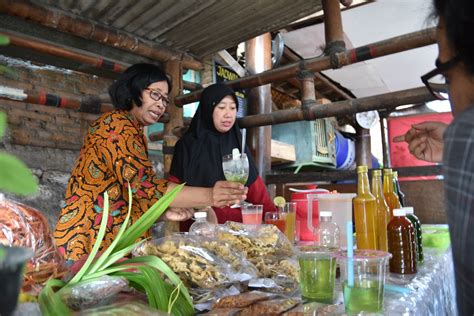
(300,198)
(340,204)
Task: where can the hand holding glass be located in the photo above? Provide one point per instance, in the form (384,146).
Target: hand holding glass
(236,169)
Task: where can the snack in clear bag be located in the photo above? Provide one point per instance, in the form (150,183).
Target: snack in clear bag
(94,293)
(272,307)
(242,300)
(194,264)
(24,226)
(123,309)
(264,246)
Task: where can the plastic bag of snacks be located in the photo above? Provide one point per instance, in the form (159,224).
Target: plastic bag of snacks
(200,262)
(94,293)
(264,246)
(24,226)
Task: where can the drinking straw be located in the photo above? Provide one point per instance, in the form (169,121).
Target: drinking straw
(350,254)
(397,289)
(244,133)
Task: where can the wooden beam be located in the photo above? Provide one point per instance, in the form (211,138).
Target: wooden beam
(282,177)
(87,29)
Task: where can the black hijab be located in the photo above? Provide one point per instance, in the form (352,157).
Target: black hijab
(197,158)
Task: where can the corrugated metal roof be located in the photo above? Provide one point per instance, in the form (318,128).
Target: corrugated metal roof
(199,27)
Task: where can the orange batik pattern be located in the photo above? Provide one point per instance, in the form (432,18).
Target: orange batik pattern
(114,154)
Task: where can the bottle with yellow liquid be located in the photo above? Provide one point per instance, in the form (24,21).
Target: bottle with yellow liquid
(383,211)
(365,208)
(389,192)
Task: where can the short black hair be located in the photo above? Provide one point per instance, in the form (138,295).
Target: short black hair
(130,84)
(459,21)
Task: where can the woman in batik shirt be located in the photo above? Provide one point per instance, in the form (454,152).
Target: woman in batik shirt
(115,154)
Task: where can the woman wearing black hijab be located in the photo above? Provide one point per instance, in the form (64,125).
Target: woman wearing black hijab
(213,133)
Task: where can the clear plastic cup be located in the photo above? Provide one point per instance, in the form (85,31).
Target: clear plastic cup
(317,273)
(252,214)
(289,214)
(363,279)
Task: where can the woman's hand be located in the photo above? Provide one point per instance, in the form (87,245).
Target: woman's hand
(425,140)
(226,193)
(177,214)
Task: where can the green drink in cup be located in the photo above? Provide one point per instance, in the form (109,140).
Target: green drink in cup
(317,273)
(366,292)
(236,169)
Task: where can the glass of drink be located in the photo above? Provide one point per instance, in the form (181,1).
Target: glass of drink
(274,218)
(317,273)
(289,214)
(252,214)
(236,169)
(363,278)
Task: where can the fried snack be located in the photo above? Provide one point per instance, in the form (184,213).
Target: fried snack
(235,258)
(264,246)
(270,307)
(23,226)
(223,312)
(241,300)
(196,266)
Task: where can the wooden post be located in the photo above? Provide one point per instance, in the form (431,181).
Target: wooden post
(308,93)
(173,68)
(259,59)
(363,152)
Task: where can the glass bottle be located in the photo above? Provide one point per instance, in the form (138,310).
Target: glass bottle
(419,239)
(398,191)
(201,226)
(401,243)
(383,211)
(388,191)
(327,231)
(365,207)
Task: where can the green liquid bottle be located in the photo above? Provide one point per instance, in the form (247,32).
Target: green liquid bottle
(419,239)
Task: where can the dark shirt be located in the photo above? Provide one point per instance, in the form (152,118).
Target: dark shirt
(459,190)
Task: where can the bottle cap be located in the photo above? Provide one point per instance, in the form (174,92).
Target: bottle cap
(200,215)
(387,171)
(325,214)
(409,209)
(399,212)
(377,172)
(362,169)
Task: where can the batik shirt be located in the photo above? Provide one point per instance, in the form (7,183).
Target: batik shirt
(114,154)
(458,164)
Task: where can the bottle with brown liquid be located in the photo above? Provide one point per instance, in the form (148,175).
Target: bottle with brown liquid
(365,208)
(383,211)
(398,191)
(388,191)
(419,240)
(401,243)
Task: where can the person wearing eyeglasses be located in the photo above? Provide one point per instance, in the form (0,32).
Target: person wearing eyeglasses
(453,144)
(114,155)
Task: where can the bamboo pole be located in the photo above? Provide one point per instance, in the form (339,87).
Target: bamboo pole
(377,102)
(51,49)
(89,104)
(333,32)
(374,50)
(93,31)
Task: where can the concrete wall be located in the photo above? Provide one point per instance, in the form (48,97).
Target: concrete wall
(48,139)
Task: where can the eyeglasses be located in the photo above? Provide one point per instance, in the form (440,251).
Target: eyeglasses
(436,82)
(157,96)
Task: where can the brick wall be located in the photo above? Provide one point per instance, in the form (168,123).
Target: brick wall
(48,139)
